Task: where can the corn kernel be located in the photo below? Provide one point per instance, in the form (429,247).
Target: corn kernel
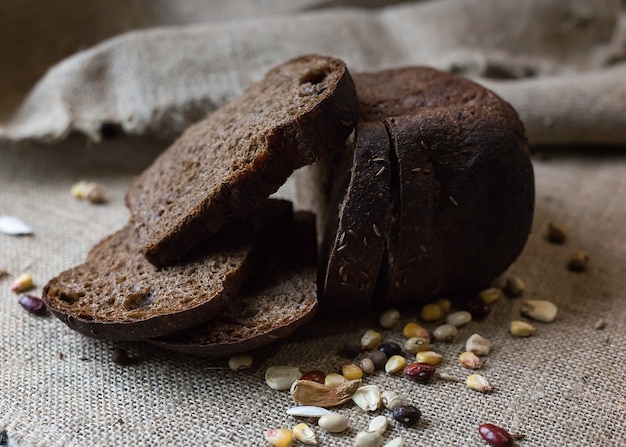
(371,339)
(22,283)
(430,357)
(279,437)
(395,363)
(351,371)
(478,383)
(431,312)
(490,295)
(389,318)
(515,286)
(334,379)
(417,344)
(521,328)
(444,304)
(240,361)
(470,360)
(305,434)
(413,329)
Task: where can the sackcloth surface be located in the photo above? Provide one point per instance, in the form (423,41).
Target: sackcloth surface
(146,70)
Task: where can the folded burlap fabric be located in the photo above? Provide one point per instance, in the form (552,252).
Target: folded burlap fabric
(559,62)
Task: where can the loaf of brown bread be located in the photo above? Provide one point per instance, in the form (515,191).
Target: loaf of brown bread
(223,166)
(279,297)
(463,202)
(117,294)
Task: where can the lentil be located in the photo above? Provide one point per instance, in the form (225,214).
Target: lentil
(446,332)
(33,304)
(495,436)
(420,372)
(521,328)
(240,361)
(333,422)
(407,414)
(395,364)
(459,318)
(389,318)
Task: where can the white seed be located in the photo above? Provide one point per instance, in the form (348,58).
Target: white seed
(389,318)
(371,339)
(478,383)
(13,226)
(367,365)
(391,400)
(445,332)
(540,310)
(378,424)
(521,328)
(443,375)
(367,397)
(240,361)
(459,318)
(478,345)
(395,364)
(395,442)
(333,422)
(368,439)
(281,377)
(308,411)
(417,344)
(305,434)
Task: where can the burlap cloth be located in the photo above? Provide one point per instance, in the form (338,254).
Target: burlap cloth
(564,70)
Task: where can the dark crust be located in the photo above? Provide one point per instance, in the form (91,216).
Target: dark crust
(464,199)
(321,129)
(354,258)
(117,261)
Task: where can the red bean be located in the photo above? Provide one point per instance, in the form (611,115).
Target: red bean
(33,304)
(495,436)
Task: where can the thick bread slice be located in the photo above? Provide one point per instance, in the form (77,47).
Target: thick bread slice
(353,242)
(117,294)
(238,155)
(464,200)
(280,297)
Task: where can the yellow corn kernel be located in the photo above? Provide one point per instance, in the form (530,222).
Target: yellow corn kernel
(444,304)
(279,437)
(395,364)
(490,295)
(371,339)
(334,379)
(22,283)
(431,312)
(430,357)
(478,383)
(470,360)
(305,434)
(352,371)
(413,329)
(521,328)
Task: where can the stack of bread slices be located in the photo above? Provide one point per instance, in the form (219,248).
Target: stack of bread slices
(414,184)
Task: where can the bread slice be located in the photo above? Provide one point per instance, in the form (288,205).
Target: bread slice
(280,297)
(463,202)
(117,294)
(358,219)
(237,156)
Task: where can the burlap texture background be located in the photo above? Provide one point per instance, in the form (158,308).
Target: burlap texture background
(565,386)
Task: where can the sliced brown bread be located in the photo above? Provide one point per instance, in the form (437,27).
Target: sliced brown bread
(226,164)
(358,219)
(463,202)
(280,296)
(117,294)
